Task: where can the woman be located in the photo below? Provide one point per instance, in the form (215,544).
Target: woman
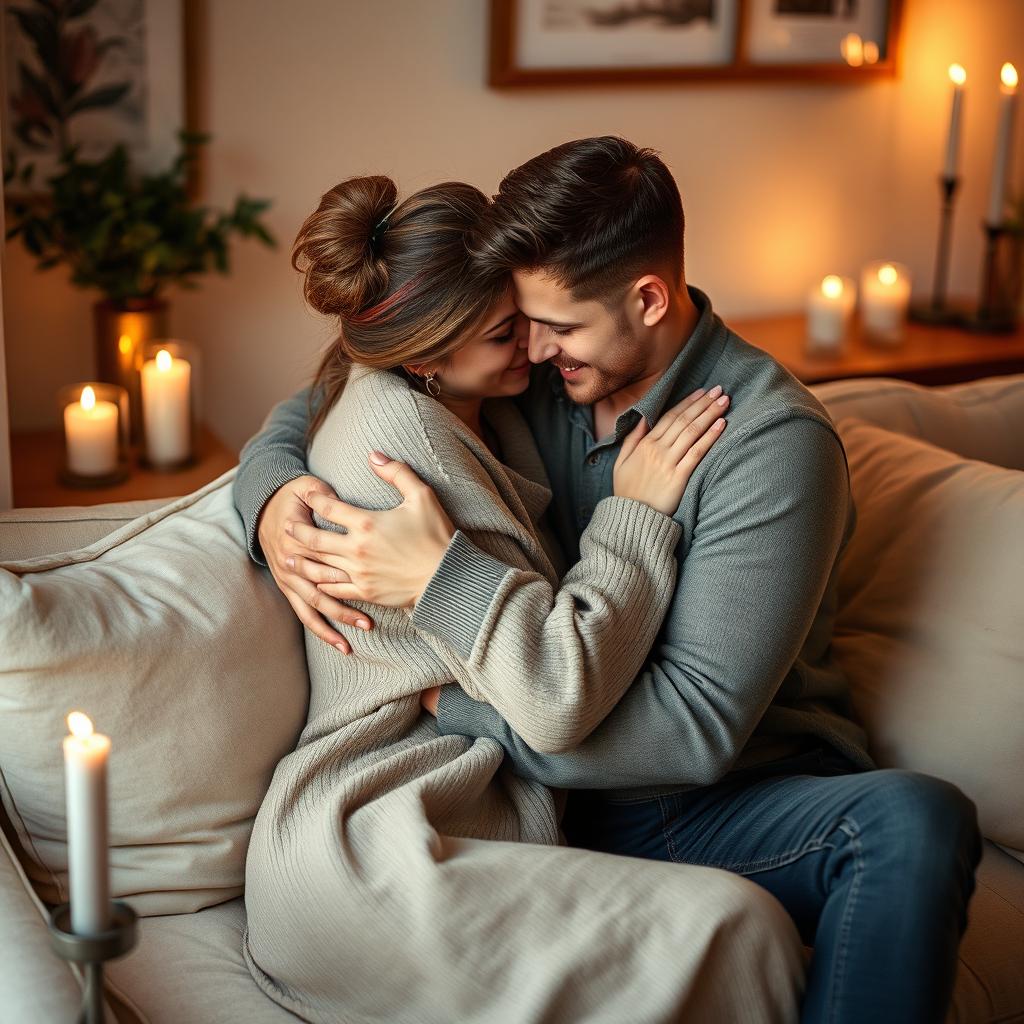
(396,874)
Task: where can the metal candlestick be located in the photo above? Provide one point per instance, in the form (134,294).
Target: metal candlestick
(936,311)
(90,952)
(994,315)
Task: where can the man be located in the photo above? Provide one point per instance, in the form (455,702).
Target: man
(733,747)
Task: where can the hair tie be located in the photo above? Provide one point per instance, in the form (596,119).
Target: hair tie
(380,227)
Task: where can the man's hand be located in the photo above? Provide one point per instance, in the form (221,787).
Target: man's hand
(385,557)
(287,557)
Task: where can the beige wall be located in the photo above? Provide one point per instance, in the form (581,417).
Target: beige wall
(782,183)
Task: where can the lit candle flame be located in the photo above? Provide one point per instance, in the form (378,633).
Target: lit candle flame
(852,49)
(124,344)
(163,360)
(80,725)
(887,275)
(871,52)
(88,398)
(832,287)
(957,74)
(1008,76)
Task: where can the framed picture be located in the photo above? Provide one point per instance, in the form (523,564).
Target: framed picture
(565,42)
(96,73)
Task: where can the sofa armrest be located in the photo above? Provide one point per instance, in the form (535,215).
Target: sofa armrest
(30,532)
(34,983)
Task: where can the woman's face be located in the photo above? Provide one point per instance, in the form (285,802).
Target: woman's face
(493,362)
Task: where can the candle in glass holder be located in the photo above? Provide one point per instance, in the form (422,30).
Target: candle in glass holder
(884,297)
(90,432)
(828,312)
(165,408)
(85,779)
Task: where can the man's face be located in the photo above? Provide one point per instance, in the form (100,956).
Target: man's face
(598,350)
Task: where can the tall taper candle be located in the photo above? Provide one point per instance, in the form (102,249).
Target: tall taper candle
(957,76)
(85,778)
(1004,149)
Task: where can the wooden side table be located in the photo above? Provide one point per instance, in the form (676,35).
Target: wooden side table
(36,459)
(926,355)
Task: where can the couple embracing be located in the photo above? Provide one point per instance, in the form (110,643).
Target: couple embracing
(564,548)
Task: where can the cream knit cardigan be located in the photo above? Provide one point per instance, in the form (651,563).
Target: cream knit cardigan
(398,875)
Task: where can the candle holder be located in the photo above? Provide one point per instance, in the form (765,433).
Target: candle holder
(90,952)
(169,379)
(936,311)
(829,309)
(995,313)
(884,300)
(95,426)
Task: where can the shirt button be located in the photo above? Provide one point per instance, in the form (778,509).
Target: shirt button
(593,460)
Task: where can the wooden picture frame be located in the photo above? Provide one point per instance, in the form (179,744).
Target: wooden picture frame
(751,57)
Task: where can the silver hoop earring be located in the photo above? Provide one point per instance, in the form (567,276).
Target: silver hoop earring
(433,388)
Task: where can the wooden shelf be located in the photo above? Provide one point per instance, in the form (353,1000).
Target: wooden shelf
(926,355)
(36,459)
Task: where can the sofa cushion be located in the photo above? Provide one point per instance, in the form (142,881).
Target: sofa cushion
(979,419)
(187,655)
(189,967)
(930,625)
(989,981)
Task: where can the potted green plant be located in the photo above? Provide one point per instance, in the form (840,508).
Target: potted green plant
(130,236)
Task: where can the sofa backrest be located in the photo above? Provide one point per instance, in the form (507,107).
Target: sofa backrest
(979,419)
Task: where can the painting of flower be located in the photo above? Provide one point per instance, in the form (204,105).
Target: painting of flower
(95,74)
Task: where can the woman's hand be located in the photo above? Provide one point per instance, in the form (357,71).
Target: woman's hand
(385,557)
(655,464)
(290,562)
(428,699)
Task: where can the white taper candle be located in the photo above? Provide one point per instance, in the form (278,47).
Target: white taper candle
(85,775)
(1004,147)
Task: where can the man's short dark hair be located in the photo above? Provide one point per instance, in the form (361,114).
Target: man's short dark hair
(595,214)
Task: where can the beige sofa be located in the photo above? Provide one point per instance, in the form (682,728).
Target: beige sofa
(930,628)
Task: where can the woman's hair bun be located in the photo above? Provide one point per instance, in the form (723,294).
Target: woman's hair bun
(334,250)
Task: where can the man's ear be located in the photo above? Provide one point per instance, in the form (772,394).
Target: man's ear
(652,292)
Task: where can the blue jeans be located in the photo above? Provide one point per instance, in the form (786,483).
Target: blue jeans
(875,868)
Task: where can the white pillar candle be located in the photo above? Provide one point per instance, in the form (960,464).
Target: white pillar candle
(165,408)
(884,297)
(90,433)
(1004,146)
(828,312)
(85,777)
(957,76)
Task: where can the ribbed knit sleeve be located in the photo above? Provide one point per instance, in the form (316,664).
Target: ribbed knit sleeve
(773,516)
(555,661)
(270,459)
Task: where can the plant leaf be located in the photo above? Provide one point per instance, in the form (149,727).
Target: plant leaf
(76,8)
(106,96)
(31,82)
(42,30)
